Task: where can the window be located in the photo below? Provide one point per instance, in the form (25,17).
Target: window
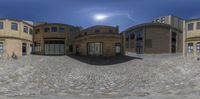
(25,29)
(46,30)
(14,26)
(163,20)
(71,30)
(190,26)
(54,29)
(97,31)
(148,43)
(31,31)
(62,30)
(132,36)
(190,47)
(198,25)
(1,48)
(111,31)
(198,47)
(37,31)
(157,20)
(139,34)
(1,25)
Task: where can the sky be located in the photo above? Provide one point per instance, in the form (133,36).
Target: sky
(86,13)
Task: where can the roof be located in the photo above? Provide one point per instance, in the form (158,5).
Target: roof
(45,23)
(146,25)
(98,26)
(18,20)
(197,19)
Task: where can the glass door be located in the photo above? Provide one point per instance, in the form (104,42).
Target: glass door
(95,49)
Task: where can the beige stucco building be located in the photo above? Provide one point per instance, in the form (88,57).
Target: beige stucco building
(54,38)
(153,38)
(192,37)
(15,38)
(99,41)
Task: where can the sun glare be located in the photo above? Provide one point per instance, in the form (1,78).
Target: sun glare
(100,17)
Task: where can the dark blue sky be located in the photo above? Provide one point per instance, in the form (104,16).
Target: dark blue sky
(124,13)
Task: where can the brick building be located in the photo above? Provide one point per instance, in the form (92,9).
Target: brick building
(99,41)
(153,38)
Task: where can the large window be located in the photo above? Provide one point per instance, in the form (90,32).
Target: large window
(190,47)
(1,25)
(31,31)
(139,34)
(198,25)
(1,48)
(198,47)
(190,26)
(37,31)
(46,30)
(14,26)
(97,30)
(61,29)
(25,29)
(54,29)
(132,36)
(95,49)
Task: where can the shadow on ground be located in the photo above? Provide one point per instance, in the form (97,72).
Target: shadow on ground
(92,60)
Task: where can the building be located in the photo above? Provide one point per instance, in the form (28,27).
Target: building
(54,38)
(153,38)
(192,37)
(174,21)
(15,38)
(99,41)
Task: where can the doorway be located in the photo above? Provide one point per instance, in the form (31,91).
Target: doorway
(95,49)
(24,49)
(54,47)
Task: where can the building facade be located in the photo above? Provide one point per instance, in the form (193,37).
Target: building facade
(192,37)
(99,41)
(15,38)
(153,38)
(54,38)
(174,21)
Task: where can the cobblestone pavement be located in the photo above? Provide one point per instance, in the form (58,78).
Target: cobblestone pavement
(68,76)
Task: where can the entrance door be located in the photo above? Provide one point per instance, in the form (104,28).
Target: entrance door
(24,49)
(56,47)
(95,49)
(117,48)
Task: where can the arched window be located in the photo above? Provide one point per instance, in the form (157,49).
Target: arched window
(198,47)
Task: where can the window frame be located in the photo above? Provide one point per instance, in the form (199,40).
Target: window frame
(14,26)
(54,29)
(198,47)
(190,28)
(190,49)
(198,25)
(26,29)
(1,25)
(60,29)
(46,29)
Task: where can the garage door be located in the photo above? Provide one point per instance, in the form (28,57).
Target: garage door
(54,48)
